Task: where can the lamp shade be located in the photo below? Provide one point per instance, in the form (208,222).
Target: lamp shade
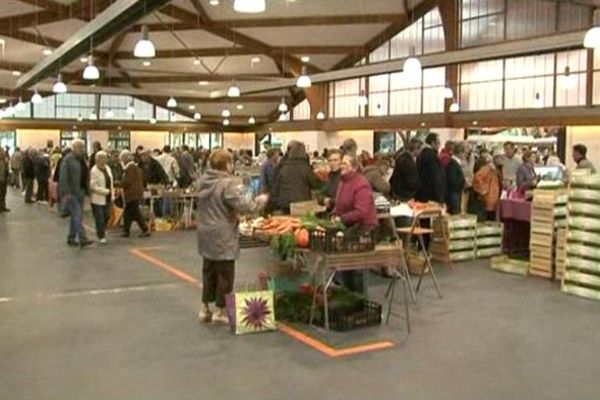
(303,80)
(454,107)
(592,38)
(412,68)
(59,86)
(249,6)
(153,120)
(91,72)
(226,113)
(36,98)
(251,120)
(109,114)
(144,48)
(197,116)
(93,116)
(320,115)
(283,107)
(172,103)
(226,122)
(448,93)
(233,91)
(130,109)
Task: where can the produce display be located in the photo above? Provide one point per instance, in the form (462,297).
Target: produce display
(582,264)
(457,240)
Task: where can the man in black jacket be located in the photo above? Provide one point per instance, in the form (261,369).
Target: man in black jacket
(29,174)
(455,180)
(154,174)
(431,175)
(405,178)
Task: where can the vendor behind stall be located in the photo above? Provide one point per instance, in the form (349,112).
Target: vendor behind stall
(526,176)
(328,192)
(355,207)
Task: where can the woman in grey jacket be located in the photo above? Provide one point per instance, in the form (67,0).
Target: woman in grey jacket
(221,198)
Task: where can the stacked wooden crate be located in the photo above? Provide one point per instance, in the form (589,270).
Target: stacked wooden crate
(561,253)
(457,243)
(582,266)
(488,240)
(548,213)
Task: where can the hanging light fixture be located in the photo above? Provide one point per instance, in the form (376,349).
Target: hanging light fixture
(239,107)
(592,36)
(320,115)
(197,116)
(448,93)
(197,61)
(454,107)
(303,80)
(20,105)
(91,72)
(283,107)
(363,100)
(109,114)
(570,79)
(538,102)
(130,109)
(153,120)
(226,122)
(172,103)
(225,113)
(412,67)
(251,120)
(144,48)
(233,91)
(47,51)
(10,111)
(79,117)
(36,98)
(59,86)
(93,116)
(249,6)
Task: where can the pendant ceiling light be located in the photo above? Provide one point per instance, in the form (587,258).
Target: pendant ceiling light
(36,98)
(320,115)
(592,36)
(172,103)
(93,116)
(153,120)
(233,91)
(20,105)
(130,109)
(144,48)
(197,116)
(59,86)
(283,107)
(538,102)
(454,107)
(448,93)
(363,100)
(91,72)
(412,67)
(251,120)
(303,80)
(570,79)
(79,117)
(249,6)
(226,113)
(226,122)
(109,114)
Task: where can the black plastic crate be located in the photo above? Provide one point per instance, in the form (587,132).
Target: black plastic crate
(365,313)
(331,241)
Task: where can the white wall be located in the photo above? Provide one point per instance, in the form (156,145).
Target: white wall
(149,139)
(37,138)
(587,135)
(237,141)
(97,136)
(364,139)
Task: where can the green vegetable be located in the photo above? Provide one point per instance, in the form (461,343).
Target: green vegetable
(284,246)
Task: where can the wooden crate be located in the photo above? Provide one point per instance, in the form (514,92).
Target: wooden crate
(508,265)
(560,253)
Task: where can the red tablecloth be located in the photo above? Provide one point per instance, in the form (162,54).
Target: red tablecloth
(519,210)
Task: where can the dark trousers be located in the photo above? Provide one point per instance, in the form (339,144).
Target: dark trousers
(132,213)
(101,217)
(15,178)
(3,185)
(28,183)
(453,202)
(217,280)
(42,192)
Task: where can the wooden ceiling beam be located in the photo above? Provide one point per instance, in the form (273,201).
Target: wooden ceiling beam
(311,21)
(199,77)
(49,5)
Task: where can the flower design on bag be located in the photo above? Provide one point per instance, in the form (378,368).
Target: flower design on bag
(255,313)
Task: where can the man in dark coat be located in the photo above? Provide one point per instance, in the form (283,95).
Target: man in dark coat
(328,192)
(29,174)
(72,186)
(294,178)
(455,180)
(154,174)
(41,165)
(133,193)
(431,175)
(405,178)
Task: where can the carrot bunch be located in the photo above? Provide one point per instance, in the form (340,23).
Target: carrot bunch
(279,225)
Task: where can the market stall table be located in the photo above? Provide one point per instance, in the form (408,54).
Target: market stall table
(516,216)
(326,265)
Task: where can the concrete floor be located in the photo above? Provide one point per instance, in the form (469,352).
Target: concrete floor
(102,323)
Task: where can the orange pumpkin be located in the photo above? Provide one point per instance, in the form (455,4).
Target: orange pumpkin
(302,238)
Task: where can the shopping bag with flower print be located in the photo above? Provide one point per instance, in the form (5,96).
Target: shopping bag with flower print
(251,312)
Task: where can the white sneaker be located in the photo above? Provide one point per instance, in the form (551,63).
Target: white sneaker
(220,318)
(205,315)
(103,240)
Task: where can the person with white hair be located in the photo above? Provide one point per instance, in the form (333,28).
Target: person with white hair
(133,194)
(72,186)
(101,190)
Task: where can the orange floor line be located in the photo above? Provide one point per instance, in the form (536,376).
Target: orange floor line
(330,351)
(165,266)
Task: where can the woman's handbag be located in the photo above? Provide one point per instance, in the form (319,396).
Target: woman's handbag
(251,312)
